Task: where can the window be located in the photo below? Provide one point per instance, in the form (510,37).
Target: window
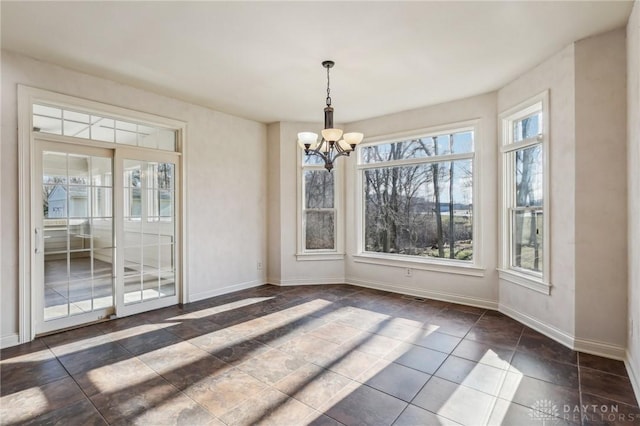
(417,196)
(319,207)
(60,121)
(525,251)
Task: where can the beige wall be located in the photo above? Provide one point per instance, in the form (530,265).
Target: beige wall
(553,314)
(633,173)
(273,205)
(601,189)
(226,200)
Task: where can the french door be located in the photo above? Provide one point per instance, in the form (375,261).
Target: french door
(105,233)
(146,227)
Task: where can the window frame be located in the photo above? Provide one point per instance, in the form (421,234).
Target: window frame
(539,282)
(472,268)
(337,253)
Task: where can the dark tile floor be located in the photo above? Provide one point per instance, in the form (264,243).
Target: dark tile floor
(321,355)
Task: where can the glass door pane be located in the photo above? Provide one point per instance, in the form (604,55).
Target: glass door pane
(77,224)
(149,230)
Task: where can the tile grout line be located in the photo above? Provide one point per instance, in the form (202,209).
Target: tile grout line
(579,386)
(433,375)
(504,378)
(76,382)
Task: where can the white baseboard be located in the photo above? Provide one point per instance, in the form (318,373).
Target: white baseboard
(10,340)
(273,281)
(307,281)
(430,294)
(539,326)
(633,370)
(224,290)
(593,347)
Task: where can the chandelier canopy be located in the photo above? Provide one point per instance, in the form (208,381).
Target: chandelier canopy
(334,143)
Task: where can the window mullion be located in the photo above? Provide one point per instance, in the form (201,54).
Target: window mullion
(517,146)
(417,161)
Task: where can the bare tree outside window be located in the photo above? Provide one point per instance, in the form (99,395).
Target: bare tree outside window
(423,208)
(527,216)
(319,210)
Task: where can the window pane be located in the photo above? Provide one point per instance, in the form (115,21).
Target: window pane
(415,148)
(444,144)
(47,119)
(318,186)
(421,210)
(529,175)
(76,124)
(102,129)
(528,127)
(54,166)
(125,125)
(165,204)
(528,236)
(47,125)
(165,175)
(462,142)
(167,284)
(166,140)
(312,160)
(47,111)
(126,137)
(320,230)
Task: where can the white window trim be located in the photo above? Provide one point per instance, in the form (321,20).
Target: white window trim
(531,280)
(452,266)
(449,266)
(337,253)
(27,96)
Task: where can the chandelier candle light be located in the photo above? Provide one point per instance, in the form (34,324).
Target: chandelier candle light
(333,144)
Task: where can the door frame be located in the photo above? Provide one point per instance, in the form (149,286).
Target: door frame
(27,96)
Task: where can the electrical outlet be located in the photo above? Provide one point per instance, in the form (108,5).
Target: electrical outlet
(408,272)
(259,266)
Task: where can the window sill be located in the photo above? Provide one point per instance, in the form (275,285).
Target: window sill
(403,261)
(319,256)
(524,280)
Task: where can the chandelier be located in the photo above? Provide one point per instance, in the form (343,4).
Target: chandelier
(334,143)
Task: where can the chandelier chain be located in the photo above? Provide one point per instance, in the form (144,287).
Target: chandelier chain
(328,89)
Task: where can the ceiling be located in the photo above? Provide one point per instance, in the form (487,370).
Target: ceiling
(262,60)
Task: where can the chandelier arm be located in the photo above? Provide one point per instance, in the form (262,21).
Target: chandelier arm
(343,151)
(342,154)
(318,153)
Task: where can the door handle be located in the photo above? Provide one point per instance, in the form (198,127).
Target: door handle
(37,240)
